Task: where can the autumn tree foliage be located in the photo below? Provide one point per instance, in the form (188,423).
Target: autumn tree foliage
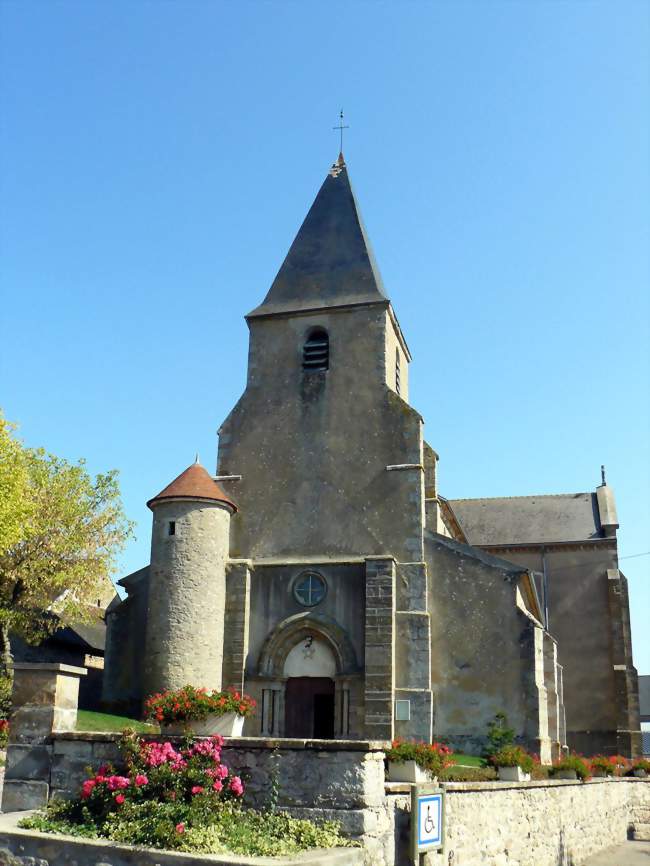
(60,531)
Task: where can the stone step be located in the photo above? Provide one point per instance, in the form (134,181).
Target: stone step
(641,832)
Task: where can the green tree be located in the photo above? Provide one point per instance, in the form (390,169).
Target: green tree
(60,531)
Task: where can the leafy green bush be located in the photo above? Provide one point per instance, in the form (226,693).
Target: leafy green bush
(5,697)
(458,773)
(512,756)
(433,757)
(572,762)
(498,735)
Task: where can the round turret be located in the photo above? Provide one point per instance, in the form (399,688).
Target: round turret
(187,583)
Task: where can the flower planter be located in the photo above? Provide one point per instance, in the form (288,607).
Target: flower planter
(601,774)
(513,774)
(640,774)
(408,771)
(228,725)
(565,774)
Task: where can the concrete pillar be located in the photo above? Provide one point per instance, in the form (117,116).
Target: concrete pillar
(552,698)
(44,698)
(380,648)
(414,721)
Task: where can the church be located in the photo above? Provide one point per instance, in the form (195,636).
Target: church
(321,570)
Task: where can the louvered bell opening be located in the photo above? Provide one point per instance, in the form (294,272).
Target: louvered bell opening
(316,352)
(398,374)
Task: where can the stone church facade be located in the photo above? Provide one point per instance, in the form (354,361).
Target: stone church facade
(320,569)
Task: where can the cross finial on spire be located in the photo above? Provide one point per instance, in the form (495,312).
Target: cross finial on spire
(341,127)
(602,475)
(196,459)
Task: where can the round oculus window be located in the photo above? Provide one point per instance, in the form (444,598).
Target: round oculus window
(309,589)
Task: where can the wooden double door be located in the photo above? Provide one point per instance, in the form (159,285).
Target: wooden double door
(309,708)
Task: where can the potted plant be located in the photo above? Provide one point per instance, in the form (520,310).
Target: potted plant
(620,764)
(417,762)
(513,763)
(602,767)
(641,768)
(570,766)
(202,712)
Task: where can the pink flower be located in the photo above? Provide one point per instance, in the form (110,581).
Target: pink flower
(180,828)
(116,782)
(141,780)
(236,786)
(87,787)
(218,786)
(222,771)
(119,798)
(197,789)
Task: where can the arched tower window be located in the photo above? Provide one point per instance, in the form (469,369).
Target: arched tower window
(316,351)
(398,373)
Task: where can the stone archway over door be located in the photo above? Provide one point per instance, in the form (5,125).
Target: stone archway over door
(309,708)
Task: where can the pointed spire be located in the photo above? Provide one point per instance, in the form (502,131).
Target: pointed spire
(330,262)
(196,459)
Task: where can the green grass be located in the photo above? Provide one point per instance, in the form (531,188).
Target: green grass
(468,760)
(91,721)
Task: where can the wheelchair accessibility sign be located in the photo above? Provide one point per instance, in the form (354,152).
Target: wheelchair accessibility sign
(427,819)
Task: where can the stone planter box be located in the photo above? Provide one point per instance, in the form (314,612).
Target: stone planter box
(408,771)
(640,774)
(565,774)
(601,774)
(513,774)
(228,725)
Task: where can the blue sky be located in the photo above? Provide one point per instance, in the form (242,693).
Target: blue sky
(157,159)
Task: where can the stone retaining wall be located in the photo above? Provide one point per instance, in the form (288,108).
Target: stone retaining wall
(528,824)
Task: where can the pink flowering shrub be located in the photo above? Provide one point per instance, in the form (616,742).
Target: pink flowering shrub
(162,772)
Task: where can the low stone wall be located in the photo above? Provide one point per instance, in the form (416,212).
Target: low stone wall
(28,848)
(527,824)
(323,780)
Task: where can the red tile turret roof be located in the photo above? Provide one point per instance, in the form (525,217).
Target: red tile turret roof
(194,483)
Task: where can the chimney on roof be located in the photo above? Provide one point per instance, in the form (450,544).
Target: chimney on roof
(606,507)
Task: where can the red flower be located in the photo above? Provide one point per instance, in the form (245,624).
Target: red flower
(180,828)
(119,798)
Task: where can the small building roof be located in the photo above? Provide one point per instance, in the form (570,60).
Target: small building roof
(330,262)
(194,483)
(515,520)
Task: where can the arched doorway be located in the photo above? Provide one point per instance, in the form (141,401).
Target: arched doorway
(309,667)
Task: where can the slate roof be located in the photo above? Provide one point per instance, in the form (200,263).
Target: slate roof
(194,483)
(330,262)
(529,519)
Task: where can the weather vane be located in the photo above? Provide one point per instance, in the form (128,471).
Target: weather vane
(341,127)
